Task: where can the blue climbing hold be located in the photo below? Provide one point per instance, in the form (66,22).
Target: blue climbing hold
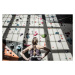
(52,16)
(17,24)
(8,21)
(15,28)
(19,47)
(56,32)
(27,36)
(69,40)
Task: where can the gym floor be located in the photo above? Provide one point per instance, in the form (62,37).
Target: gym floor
(53,31)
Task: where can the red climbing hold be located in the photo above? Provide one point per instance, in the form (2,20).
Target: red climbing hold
(61,38)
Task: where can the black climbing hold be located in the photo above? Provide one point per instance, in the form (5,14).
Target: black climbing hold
(12,45)
(59,40)
(24,41)
(21,34)
(66,51)
(67,35)
(17,19)
(13,55)
(26,33)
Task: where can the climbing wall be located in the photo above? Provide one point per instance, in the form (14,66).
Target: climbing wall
(19,30)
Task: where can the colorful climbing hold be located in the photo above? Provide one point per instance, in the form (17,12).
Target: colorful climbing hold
(21,34)
(34,34)
(67,33)
(59,40)
(27,36)
(42,22)
(17,19)
(15,28)
(56,32)
(69,58)
(40,18)
(44,35)
(8,21)
(61,35)
(17,24)
(69,40)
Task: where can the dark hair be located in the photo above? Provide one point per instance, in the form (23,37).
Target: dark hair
(4,41)
(35,41)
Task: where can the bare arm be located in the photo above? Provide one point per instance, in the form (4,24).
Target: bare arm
(46,49)
(24,51)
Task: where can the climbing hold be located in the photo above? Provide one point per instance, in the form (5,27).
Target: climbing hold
(61,35)
(27,36)
(35,31)
(34,34)
(67,33)
(69,58)
(15,28)
(66,51)
(40,18)
(44,35)
(19,47)
(8,21)
(48,28)
(52,16)
(59,40)
(42,22)
(12,45)
(21,34)
(17,24)
(13,55)
(65,58)
(69,40)
(56,32)
(17,19)
(52,26)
